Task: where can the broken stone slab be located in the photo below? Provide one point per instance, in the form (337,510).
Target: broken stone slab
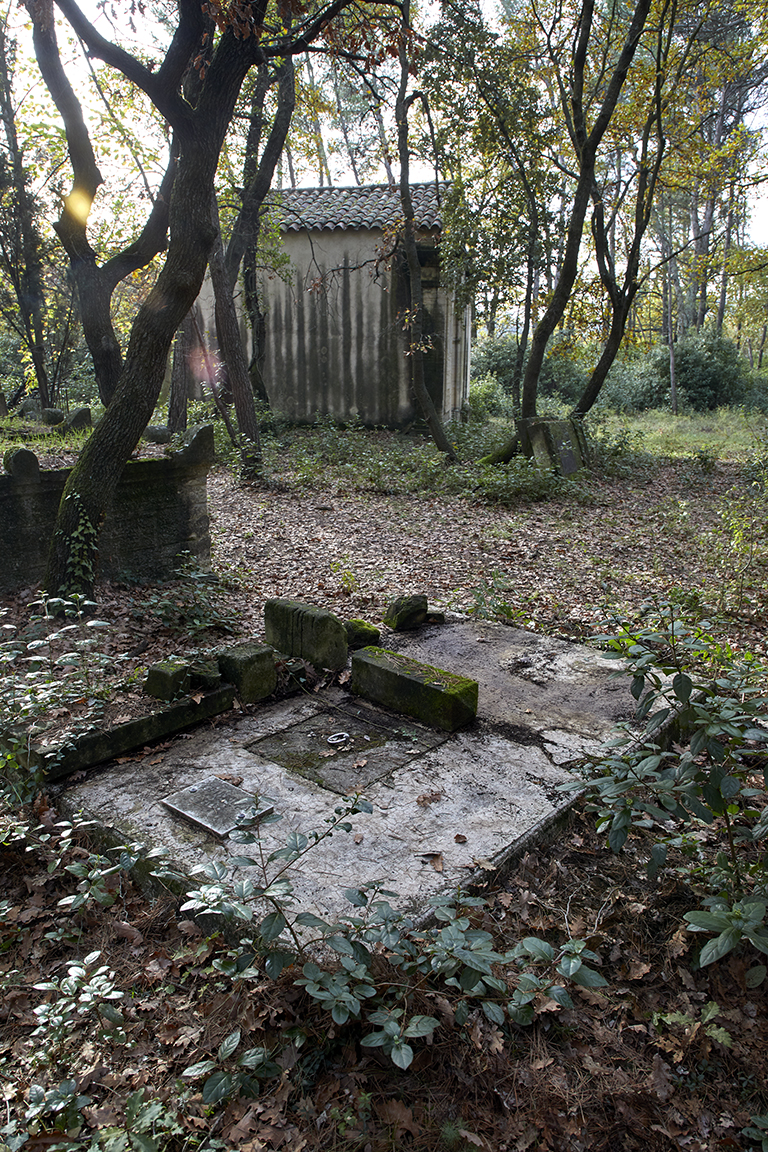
(361,634)
(96,747)
(217,807)
(300,630)
(429,694)
(168,679)
(251,668)
(206,675)
(406,612)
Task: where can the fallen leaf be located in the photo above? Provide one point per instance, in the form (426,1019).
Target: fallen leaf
(189,928)
(128,932)
(344,676)
(101,1117)
(400,1116)
(660,1080)
(435,859)
(358,838)
(459,838)
(428,798)
(197,697)
(471,1138)
(236,780)
(359,763)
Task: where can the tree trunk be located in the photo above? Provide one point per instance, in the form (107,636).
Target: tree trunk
(586,143)
(184,348)
(23,247)
(233,354)
(94,478)
(414,322)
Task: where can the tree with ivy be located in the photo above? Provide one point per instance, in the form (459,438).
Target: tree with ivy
(220,52)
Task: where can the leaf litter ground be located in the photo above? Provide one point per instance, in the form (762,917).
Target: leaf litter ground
(643,1065)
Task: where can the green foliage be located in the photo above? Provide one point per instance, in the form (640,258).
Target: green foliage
(490,602)
(355,459)
(757,1131)
(148,1126)
(87,989)
(697,760)
(496,357)
(455,956)
(49,665)
(709,372)
(488,398)
(191,606)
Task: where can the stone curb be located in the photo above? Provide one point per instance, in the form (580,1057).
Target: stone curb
(96,747)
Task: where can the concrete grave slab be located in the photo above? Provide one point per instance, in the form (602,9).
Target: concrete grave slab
(447,808)
(525,680)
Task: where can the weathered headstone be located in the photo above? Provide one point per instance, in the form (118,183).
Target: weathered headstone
(77,420)
(21,464)
(555,445)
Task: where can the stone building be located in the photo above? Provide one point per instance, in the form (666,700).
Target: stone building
(334,340)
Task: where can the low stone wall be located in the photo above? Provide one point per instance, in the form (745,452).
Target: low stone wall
(160,509)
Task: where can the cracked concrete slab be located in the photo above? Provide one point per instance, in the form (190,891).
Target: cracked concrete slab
(447,809)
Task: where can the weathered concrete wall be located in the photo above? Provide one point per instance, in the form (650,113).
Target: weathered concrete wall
(160,509)
(334,344)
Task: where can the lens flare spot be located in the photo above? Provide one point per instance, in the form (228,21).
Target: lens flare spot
(79,205)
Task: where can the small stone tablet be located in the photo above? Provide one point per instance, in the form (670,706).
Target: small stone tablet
(216,806)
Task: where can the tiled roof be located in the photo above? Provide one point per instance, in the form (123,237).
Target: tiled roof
(370,206)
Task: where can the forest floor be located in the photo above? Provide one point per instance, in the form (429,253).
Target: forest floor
(667,1055)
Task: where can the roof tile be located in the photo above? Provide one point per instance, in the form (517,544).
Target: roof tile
(369,206)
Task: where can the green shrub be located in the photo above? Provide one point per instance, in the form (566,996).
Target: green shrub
(495,356)
(709,372)
(487,398)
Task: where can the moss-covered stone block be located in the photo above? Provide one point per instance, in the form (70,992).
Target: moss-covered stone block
(168,679)
(406,613)
(251,668)
(301,630)
(361,634)
(206,675)
(432,695)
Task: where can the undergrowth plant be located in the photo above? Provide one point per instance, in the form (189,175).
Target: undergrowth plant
(454,957)
(191,605)
(699,760)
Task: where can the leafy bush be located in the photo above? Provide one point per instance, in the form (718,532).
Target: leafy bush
(709,372)
(635,384)
(561,373)
(699,760)
(487,398)
(495,356)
